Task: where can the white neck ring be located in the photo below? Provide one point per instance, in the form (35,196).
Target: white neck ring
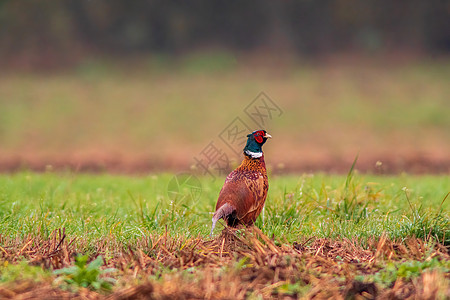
(253,154)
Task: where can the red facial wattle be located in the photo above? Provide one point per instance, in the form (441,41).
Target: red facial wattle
(259,136)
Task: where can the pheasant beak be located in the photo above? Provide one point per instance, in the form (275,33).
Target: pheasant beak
(268,136)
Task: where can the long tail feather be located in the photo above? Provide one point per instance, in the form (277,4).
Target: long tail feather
(222,212)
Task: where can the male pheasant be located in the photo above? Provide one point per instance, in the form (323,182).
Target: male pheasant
(244,192)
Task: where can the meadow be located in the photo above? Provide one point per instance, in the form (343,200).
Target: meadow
(327,235)
(88,157)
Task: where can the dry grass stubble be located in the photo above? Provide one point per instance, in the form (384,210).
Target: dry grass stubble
(235,265)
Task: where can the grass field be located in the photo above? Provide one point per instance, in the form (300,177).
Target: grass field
(88,157)
(320,236)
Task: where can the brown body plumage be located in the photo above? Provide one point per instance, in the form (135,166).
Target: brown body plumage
(244,192)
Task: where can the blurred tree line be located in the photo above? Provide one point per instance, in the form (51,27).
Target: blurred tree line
(64,31)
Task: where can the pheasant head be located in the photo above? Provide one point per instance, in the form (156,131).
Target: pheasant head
(255,140)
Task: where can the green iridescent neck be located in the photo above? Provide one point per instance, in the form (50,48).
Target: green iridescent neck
(253,149)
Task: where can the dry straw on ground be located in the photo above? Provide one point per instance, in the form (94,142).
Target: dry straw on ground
(235,265)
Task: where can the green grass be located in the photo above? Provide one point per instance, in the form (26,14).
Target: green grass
(22,271)
(94,207)
(120,221)
(406,270)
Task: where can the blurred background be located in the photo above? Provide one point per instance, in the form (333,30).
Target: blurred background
(143,86)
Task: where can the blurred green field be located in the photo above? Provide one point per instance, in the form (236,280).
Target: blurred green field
(98,207)
(163,112)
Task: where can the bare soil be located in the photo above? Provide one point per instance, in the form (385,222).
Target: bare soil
(434,161)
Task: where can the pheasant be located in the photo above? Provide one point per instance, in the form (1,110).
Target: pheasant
(244,192)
